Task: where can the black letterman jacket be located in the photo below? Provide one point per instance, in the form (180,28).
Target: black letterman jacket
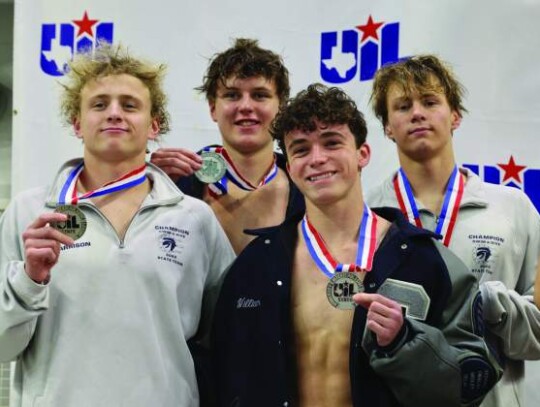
(441,361)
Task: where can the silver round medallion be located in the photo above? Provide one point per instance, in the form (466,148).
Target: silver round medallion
(75,225)
(213,168)
(341,288)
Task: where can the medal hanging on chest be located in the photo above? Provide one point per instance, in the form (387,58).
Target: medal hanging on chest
(223,170)
(345,280)
(450,208)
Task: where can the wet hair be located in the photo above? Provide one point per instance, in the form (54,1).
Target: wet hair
(245,59)
(113,60)
(416,74)
(318,103)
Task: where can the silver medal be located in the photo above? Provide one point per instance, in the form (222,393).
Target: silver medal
(213,168)
(341,288)
(75,225)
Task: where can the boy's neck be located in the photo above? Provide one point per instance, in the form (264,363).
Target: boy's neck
(253,165)
(429,179)
(338,221)
(96,173)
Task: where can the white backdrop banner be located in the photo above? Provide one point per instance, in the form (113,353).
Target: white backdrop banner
(493,46)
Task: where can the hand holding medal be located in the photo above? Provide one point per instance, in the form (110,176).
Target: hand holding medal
(384,316)
(42,246)
(75,224)
(176,162)
(218,168)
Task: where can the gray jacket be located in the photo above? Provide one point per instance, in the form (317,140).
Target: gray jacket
(111,327)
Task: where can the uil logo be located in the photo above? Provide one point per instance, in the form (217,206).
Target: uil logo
(345,56)
(60,42)
(513,175)
(168,244)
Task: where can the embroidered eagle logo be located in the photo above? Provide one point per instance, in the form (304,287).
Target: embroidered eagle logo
(483,253)
(168,244)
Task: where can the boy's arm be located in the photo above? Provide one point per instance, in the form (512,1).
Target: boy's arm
(22,300)
(510,312)
(444,365)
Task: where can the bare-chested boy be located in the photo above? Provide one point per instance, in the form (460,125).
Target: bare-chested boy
(287,332)
(244,86)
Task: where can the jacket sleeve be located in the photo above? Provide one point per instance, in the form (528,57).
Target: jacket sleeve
(444,365)
(21,299)
(537,286)
(511,313)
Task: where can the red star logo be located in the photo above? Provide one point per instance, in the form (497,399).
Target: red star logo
(512,170)
(369,29)
(85,25)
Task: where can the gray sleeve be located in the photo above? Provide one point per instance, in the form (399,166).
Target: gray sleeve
(221,257)
(21,300)
(511,313)
(446,365)
(514,318)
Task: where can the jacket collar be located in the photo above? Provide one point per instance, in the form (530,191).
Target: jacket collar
(474,193)
(475,190)
(394,215)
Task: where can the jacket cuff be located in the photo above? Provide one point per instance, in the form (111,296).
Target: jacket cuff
(400,339)
(31,294)
(494,312)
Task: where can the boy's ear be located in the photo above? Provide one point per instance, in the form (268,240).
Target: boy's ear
(364,155)
(77,127)
(388,131)
(154,130)
(212,108)
(456,120)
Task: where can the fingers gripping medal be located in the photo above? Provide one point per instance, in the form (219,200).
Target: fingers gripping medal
(341,287)
(218,169)
(75,225)
(213,167)
(345,279)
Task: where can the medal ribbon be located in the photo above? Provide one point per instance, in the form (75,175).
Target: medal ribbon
(367,241)
(232,174)
(449,211)
(68,194)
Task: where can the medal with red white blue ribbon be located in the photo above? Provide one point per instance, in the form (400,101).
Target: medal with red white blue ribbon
(232,174)
(69,195)
(344,282)
(450,208)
